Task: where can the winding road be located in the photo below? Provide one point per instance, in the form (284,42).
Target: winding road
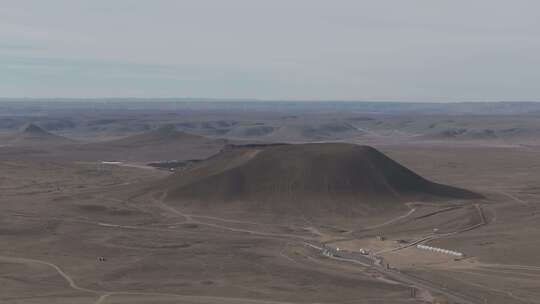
(390,273)
(104,296)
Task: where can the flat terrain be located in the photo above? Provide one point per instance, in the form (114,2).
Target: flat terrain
(78,230)
(57,221)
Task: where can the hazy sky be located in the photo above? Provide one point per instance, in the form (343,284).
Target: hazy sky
(417,50)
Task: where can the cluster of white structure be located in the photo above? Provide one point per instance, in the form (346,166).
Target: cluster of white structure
(436,249)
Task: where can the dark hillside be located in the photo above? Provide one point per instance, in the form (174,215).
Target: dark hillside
(309,178)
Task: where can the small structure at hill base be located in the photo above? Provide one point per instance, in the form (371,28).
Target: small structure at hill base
(111,162)
(440,250)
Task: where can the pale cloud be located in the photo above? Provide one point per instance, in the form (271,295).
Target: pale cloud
(281,49)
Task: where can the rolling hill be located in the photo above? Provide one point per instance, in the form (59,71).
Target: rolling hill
(164,135)
(315,131)
(461,134)
(163,143)
(33,135)
(306,179)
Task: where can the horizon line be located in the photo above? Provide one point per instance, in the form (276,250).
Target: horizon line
(210,99)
